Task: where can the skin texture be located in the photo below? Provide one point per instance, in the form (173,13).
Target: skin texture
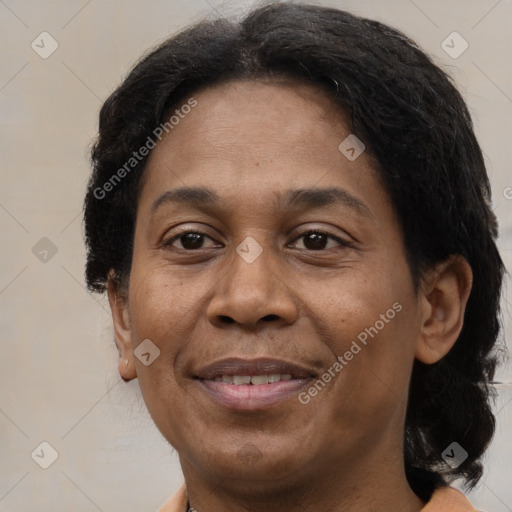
(248,142)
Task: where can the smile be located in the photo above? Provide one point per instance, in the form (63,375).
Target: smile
(241,393)
(256,380)
(252,384)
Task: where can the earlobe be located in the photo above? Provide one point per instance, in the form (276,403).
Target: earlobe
(126,368)
(444,297)
(122,331)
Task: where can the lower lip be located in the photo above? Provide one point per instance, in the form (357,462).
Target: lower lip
(248,397)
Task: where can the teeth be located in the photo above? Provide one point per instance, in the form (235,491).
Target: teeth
(241,379)
(259,379)
(255,379)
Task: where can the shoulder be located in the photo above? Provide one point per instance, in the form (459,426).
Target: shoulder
(448,499)
(177,503)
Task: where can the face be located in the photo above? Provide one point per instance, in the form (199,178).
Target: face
(260,249)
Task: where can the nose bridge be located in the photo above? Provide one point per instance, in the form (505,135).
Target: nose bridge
(250,275)
(250,288)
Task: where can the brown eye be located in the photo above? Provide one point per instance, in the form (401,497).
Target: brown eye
(316,240)
(189,240)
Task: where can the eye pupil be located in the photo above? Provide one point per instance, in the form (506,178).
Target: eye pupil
(318,241)
(191,240)
(312,240)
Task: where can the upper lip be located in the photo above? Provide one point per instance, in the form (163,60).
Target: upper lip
(260,366)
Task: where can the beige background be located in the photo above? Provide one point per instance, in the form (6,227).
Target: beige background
(58,377)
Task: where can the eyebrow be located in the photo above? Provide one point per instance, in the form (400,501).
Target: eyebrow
(311,198)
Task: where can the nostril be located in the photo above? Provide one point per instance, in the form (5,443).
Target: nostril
(226,319)
(270,317)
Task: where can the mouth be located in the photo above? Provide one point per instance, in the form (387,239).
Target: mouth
(249,385)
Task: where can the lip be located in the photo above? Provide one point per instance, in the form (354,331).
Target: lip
(260,366)
(248,397)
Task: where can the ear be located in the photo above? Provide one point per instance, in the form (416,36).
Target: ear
(444,295)
(123,337)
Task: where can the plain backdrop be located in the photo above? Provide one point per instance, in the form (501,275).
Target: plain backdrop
(58,378)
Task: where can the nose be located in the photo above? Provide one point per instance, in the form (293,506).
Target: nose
(252,294)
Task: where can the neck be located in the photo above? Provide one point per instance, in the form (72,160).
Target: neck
(363,487)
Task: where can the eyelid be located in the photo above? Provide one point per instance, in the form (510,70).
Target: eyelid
(339,239)
(184,230)
(168,241)
(189,227)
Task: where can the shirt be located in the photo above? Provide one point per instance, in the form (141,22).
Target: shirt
(444,499)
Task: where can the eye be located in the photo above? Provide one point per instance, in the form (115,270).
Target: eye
(316,240)
(189,240)
(313,240)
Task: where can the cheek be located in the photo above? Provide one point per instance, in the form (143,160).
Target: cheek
(371,379)
(372,326)
(158,312)
(160,302)
(370,335)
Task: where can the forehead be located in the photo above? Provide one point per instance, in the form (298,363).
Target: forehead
(237,112)
(259,135)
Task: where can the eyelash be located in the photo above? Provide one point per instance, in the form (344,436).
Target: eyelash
(342,243)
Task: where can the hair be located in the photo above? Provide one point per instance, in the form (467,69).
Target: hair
(418,130)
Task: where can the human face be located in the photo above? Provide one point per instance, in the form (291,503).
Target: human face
(304,300)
